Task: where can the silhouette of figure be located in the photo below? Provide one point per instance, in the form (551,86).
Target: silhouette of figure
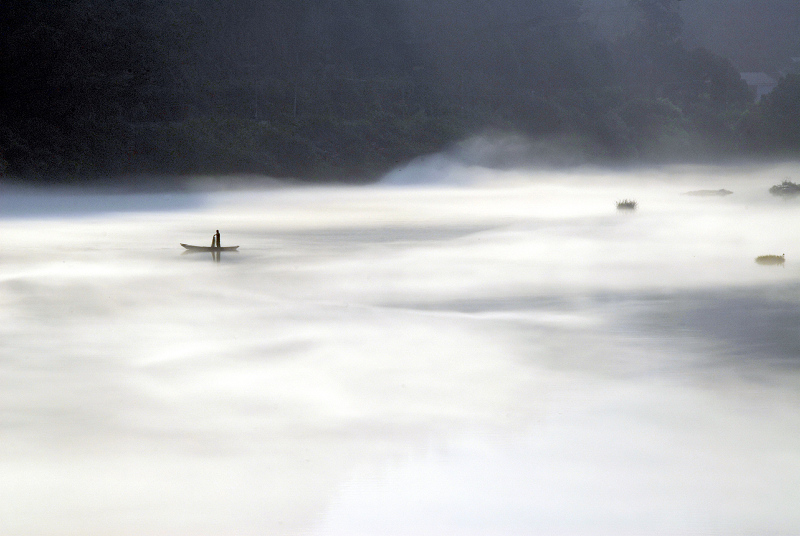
(216,237)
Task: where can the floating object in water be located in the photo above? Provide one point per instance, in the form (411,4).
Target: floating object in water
(214,247)
(709,193)
(785,189)
(773,260)
(210,248)
(626,204)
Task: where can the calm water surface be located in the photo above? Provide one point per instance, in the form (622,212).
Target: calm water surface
(453,351)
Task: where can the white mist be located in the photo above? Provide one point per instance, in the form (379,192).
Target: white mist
(479,352)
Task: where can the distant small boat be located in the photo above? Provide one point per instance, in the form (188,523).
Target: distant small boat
(210,248)
(771,259)
(709,193)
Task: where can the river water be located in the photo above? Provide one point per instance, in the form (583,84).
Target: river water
(455,350)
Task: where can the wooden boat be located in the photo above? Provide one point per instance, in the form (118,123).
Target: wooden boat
(709,193)
(210,248)
(771,259)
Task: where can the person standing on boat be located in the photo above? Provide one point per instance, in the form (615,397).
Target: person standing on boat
(216,238)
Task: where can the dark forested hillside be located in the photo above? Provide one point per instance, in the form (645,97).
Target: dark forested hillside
(756,35)
(348,88)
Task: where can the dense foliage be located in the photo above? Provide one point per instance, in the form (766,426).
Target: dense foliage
(338,88)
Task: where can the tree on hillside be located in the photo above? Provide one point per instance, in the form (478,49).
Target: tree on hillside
(74,73)
(649,56)
(780,116)
(534,62)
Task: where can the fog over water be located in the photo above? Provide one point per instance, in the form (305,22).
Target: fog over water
(455,350)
